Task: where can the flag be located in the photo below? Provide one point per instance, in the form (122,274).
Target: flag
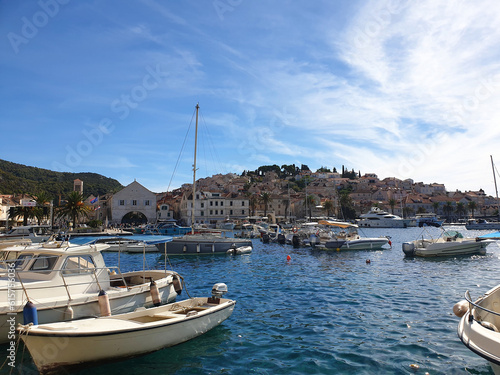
(94,200)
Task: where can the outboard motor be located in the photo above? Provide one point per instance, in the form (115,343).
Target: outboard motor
(296,241)
(281,239)
(265,238)
(409,249)
(218,290)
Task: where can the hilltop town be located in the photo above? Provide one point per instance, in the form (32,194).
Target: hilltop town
(281,194)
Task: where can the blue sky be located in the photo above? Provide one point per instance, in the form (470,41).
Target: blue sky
(397,88)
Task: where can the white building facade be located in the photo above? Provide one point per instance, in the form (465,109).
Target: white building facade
(133,199)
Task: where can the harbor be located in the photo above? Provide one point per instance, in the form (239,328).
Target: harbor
(303,310)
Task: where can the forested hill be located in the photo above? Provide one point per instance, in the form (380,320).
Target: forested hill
(18,178)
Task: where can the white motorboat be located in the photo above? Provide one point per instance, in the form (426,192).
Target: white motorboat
(482,224)
(346,237)
(64,280)
(479,326)
(450,243)
(35,233)
(110,338)
(377,218)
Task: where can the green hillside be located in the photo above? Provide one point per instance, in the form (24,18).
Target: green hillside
(18,178)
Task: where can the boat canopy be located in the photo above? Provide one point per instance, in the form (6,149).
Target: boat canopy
(338,224)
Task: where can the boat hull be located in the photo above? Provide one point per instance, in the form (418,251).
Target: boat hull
(106,339)
(121,300)
(360,244)
(426,248)
(199,244)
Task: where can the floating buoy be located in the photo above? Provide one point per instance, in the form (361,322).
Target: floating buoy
(368,261)
(155,293)
(460,308)
(30,314)
(390,243)
(103,300)
(288,258)
(414,366)
(68,313)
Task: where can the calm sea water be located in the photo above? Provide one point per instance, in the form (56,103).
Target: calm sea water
(322,312)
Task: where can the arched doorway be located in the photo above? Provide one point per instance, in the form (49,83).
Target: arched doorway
(134,218)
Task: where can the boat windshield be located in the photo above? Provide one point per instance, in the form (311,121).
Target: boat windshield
(20,260)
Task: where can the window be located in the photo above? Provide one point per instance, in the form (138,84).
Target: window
(202,213)
(222,212)
(216,203)
(211,203)
(216,212)
(222,203)
(242,203)
(134,202)
(230,203)
(230,212)
(202,205)
(44,262)
(243,212)
(122,202)
(79,265)
(146,203)
(211,212)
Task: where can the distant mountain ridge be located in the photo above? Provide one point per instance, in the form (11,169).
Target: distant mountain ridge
(18,179)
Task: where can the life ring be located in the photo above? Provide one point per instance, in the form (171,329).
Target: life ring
(295,230)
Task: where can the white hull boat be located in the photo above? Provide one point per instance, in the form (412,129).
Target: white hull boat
(64,281)
(346,237)
(449,244)
(479,326)
(377,218)
(68,344)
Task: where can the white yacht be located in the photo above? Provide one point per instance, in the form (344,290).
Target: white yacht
(377,218)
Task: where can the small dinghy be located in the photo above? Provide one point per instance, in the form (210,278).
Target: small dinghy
(63,345)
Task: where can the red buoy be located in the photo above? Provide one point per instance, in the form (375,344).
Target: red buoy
(288,258)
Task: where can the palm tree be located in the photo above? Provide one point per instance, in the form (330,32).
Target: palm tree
(74,207)
(252,201)
(435,206)
(328,207)
(448,209)
(265,198)
(40,210)
(471,206)
(460,209)
(392,203)
(22,211)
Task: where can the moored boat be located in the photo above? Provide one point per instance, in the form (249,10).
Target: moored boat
(479,326)
(450,243)
(64,280)
(377,218)
(346,237)
(110,338)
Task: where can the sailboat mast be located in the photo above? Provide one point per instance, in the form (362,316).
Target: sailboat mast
(194,169)
(495,179)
